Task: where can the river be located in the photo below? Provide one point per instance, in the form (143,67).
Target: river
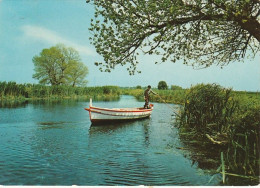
(54,143)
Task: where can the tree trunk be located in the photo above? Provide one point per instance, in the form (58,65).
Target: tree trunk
(252,26)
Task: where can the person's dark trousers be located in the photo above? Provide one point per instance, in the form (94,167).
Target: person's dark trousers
(146,105)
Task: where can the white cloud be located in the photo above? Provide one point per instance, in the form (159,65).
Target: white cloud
(47,36)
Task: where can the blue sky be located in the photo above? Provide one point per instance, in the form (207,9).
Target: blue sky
(28,26)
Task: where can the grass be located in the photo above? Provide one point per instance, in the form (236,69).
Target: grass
(229,122)
(12,91)
(169,96)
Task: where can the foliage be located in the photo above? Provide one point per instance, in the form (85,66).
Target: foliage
(200,33)
(162,85)
(174,87)
(243,150)
(208,105)
(76,73)
(138,87)
(170,96)
(60,65)
(137,93)
(233,118)
(13,90)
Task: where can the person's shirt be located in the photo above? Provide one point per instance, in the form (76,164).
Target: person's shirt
(147,92)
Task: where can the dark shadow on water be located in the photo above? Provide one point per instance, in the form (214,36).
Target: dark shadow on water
(54,125)
(50,123)
(14,104)
(117,122)
(114,125)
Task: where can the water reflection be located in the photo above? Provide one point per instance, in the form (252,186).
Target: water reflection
(13,104)
(61,152)
(117,127)
(146,131)
(111,126)
(51,102)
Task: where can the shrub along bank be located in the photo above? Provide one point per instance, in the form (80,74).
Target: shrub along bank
(229,122)
(14,91)
(169,96)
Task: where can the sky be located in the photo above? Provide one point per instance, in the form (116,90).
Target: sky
(28,26)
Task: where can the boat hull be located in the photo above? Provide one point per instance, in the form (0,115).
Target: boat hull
(99,115)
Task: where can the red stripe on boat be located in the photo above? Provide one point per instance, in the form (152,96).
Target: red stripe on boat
(125,115)
(105,109)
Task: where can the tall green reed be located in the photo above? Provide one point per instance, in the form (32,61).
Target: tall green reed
(213,110)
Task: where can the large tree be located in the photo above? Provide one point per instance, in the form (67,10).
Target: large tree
(198,32)
(59,65)
(77,72)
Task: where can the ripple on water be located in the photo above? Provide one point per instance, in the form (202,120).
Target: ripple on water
(51,146)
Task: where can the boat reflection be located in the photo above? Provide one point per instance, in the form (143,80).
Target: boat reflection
(108,127)
(139,129)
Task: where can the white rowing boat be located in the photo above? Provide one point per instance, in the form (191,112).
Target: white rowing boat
(97,114)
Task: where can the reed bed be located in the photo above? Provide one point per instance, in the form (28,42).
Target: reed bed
(229,122)
(14,91)
(169,96)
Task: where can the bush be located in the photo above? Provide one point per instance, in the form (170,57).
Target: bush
(229,117)
(206,106)
(162,85)
(243,150)
(106,90)
(174,87)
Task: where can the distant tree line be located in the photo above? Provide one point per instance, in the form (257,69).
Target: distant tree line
(162,85)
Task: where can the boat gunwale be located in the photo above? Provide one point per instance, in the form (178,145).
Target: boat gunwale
(124,115)
(124,110)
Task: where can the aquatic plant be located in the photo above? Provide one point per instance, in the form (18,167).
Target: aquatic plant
(170,96)
(243,149)
(223,117)
(12,90)
(207,108)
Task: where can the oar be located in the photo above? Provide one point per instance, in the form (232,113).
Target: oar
(168,105)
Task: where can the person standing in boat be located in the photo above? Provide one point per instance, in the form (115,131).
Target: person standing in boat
(147,96)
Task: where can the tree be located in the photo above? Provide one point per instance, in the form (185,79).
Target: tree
(59,65)
(200,33)
(162,85)
(77,72)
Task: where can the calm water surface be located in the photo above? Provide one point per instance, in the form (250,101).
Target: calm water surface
(54,143)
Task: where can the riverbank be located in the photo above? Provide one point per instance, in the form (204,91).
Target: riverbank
(168,96)
(178,96)
(224,122)
(11,91)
